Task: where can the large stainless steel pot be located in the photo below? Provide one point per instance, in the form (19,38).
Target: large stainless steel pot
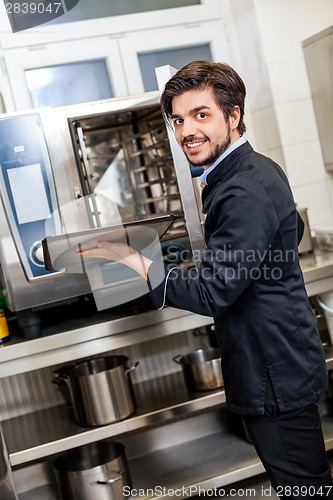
(97,471)
(202,369)
(100,390)
(207,332)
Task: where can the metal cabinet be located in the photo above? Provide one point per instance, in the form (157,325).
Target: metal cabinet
(171,430)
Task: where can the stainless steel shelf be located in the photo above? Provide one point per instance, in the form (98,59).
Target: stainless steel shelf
(211,461)
(72,340)
(215,461)
(48,492)
(43,433)
(40,434)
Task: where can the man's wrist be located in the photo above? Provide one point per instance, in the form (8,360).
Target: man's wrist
(138,263)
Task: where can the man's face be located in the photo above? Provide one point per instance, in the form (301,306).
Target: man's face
(201,128)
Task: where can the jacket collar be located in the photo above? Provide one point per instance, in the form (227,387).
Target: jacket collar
(229,166)
(241,140)
(226,169)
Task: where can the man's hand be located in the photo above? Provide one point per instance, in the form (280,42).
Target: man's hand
(119,252)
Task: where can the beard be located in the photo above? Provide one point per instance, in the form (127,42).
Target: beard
(213,156)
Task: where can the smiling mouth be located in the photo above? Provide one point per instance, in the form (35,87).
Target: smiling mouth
(193,143)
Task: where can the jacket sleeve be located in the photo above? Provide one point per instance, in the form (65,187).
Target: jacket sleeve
(246,223)
(300,228)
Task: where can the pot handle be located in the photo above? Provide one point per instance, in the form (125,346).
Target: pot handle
(111,480)
(131,367)
(177,359)
(61,380)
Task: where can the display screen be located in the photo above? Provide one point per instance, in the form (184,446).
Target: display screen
(28,192)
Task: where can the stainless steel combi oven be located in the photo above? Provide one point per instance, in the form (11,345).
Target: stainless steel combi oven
(71,169)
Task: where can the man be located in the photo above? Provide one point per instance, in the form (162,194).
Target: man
(249,280)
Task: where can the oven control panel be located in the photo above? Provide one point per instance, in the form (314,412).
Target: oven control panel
(27,189)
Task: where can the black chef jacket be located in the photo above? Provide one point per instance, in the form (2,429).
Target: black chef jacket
(251,283)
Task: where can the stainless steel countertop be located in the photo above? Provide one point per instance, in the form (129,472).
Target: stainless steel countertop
(317,270)
(314,263)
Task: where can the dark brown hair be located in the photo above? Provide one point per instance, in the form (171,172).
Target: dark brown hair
(228,87)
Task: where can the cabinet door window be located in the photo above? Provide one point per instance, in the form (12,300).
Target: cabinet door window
(174,57)
(66,84)
(175,46)
(63,74)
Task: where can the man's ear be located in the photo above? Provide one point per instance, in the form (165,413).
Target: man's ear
(234,118)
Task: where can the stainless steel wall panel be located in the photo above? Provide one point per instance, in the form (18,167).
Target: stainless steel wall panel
(26,393)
